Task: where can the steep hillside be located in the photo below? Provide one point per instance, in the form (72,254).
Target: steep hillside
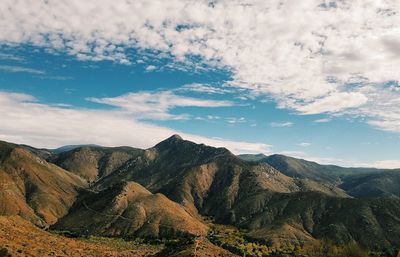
(298,217)
(128,209)
(94,162)
(383,184)
(33,188)
(298,168)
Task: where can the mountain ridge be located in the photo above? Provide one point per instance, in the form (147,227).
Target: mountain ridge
(269,199)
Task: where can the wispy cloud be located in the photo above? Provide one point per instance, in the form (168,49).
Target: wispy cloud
(19,69)
(207,89)
(11,57)
(304,144)
(323,120)
(157,105)
(24,120)
(234,120)
(284,124)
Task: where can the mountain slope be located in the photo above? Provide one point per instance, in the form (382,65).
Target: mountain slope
(204,178)
(300,168)
(213,182)
(128,209)
(383,184)
(94,162)
(373,223)
(33,188)
(301,203)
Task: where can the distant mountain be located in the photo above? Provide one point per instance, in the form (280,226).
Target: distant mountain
(252,157)
(382,184)
(357,182)
(33,188)
(67,148)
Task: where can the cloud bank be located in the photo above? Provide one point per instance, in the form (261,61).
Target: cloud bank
(313,56)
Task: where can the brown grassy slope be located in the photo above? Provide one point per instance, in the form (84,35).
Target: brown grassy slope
(21,238)
(93,162)
(128,209)
(34,189)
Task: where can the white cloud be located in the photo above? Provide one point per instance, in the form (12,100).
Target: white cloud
(24,120)
(158,104)
(213,117)
(334,103)
(151,68)
(234,120)
(18,69)
(200,88)
(323,120)
(312,56)
(284,124)
(304,144)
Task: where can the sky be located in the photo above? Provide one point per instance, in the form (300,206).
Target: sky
(312,79)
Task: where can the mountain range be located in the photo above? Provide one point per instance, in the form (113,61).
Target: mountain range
(178,188)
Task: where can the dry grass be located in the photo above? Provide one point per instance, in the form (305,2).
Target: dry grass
(21,238)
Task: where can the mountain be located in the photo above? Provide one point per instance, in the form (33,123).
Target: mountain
(252,157)
(167,190)
(204,178)
(128,209)
(356,182)
(258,197)
(382,184)
(67,148)
(93,162)
(298,168)
(306,216)
(33,188)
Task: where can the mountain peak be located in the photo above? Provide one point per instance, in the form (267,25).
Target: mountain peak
(175,137)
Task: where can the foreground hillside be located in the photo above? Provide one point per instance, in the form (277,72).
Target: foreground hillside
(39,191)
(19,237)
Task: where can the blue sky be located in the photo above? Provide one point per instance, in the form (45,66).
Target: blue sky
(89,84)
